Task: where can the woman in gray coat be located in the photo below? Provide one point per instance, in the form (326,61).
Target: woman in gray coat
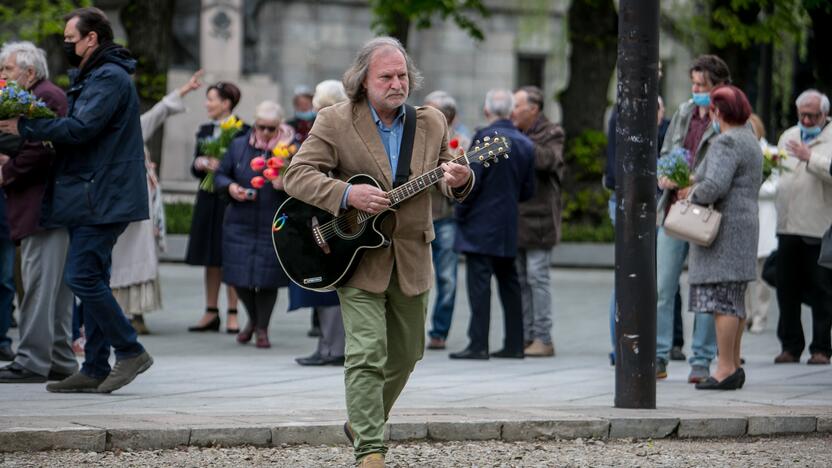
(729,178)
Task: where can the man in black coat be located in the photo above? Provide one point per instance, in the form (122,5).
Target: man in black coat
(490,246)
(100,186)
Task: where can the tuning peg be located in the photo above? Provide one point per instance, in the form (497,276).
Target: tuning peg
(495,160)
(505,155)
(488,138)
(485,164)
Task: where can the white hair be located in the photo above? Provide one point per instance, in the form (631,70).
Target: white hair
(444,102)
(813,93)
(499,103)
(27,55)
(269,110)
(327,93)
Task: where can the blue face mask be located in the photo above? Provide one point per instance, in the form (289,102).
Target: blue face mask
(702,99)
(305,115)
(715,125)
(808,133)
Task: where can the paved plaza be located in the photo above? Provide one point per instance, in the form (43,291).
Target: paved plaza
(206,388)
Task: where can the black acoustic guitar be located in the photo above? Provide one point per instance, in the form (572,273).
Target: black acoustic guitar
(319,251)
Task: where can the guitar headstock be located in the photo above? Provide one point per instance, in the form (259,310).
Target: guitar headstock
(489,149)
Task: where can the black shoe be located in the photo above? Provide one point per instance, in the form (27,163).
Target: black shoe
(317,360)
(468,353)
(15,373)
(58,376)
(676,354)
(348,432)
(212,326)
(6,353)
(503,353)
(314,332)
(732,382)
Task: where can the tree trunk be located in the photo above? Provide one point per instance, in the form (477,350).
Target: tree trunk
(593,34)
(401,28)
(148,24)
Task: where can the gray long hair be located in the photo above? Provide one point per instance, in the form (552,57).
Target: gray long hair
(354,76)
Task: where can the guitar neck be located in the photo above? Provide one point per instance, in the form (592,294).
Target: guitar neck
(413,187)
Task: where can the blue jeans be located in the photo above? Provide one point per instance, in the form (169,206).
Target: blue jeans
(87,274)
(445,261)
(7,289)
(670,258)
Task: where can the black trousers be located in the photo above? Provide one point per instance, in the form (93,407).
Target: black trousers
(799,276)
(259,304)
(479,269)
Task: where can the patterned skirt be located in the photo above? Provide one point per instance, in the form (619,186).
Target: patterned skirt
(719,298)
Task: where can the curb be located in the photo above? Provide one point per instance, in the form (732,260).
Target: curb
(96,439)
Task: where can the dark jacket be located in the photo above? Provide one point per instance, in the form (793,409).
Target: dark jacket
(26,174)
(100,170)
(539,223)
(248,257)
(487,219)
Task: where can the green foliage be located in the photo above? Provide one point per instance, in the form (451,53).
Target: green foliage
(35,20)
(178,217)
(151,87)
(603,232)
(584,198)
(770,21)
(387,14)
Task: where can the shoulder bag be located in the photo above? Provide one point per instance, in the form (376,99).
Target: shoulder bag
(691,222)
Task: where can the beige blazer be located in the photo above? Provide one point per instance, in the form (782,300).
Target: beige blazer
(344,142)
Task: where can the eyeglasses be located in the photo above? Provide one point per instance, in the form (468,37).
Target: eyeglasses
(266,128)
(811,116)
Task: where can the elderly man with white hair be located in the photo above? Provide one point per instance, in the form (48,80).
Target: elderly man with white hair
(45,350)
(804,213)
(487,233)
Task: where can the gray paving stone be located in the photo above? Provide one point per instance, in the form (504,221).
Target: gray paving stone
(231,436)
(481,430)
(31,440)
(312,434)
(824,424)
(712,426)
(590,428)
(642,428)
(765,425)
(408,431)
(147,439)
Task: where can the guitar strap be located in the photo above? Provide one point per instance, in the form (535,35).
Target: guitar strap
(403,167)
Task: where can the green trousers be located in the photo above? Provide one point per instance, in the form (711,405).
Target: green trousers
(385,337)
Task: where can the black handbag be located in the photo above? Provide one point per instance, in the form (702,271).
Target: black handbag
(825,258)
(770,270)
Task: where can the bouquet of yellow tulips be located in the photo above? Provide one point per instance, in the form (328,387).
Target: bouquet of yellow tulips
(216,147)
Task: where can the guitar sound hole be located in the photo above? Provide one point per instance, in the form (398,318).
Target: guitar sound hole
(348,228)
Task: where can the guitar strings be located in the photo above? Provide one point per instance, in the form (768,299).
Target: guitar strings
(343,222)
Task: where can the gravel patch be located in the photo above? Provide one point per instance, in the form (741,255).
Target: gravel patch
(805,451)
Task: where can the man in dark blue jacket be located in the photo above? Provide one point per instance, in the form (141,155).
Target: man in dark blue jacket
(487,233)
(99,187)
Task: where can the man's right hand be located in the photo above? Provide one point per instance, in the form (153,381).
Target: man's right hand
(368,198)
(667,184)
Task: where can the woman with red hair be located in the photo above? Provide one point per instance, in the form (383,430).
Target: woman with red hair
(729,178)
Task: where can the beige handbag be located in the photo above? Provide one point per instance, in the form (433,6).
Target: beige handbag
(691,222)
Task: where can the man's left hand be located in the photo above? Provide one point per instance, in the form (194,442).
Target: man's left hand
(9,126)
(456,175)
(799,150)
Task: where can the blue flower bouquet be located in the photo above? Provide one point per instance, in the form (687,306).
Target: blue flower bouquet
(676,167)
(17,102)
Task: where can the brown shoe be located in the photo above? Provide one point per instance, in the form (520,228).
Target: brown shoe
(818,358)
(539,349)
(373,460)
(786,357)
(436,343)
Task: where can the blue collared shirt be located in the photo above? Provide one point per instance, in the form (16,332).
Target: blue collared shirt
(391,138)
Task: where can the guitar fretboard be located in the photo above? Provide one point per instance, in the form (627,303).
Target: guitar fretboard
(417,185)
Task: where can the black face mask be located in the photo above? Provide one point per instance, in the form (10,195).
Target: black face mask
(69,51)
